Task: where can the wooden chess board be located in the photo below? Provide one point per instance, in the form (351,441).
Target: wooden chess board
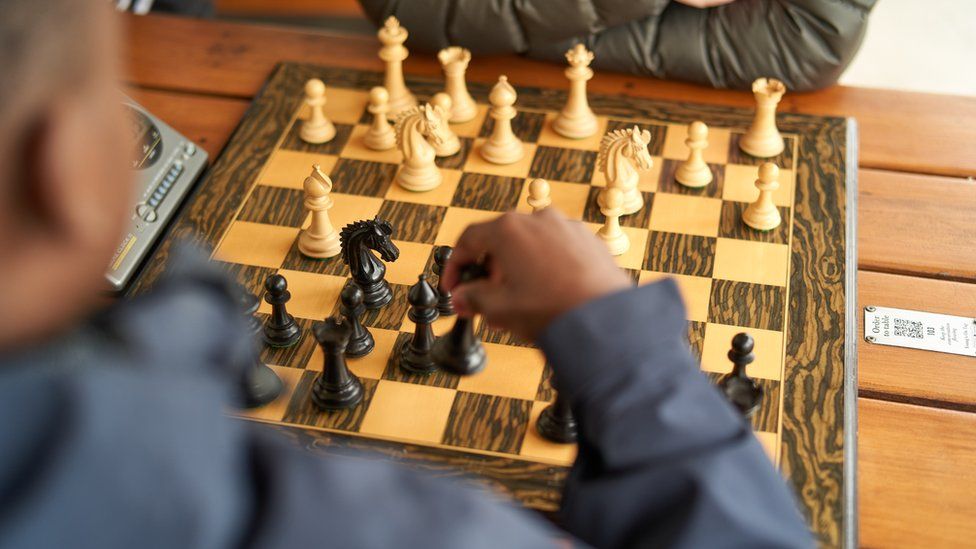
(786,287)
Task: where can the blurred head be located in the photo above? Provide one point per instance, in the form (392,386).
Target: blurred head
(64,188)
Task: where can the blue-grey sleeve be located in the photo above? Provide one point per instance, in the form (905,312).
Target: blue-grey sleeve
(664,461)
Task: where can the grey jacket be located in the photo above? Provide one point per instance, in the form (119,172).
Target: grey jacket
(115,436)
(805,43)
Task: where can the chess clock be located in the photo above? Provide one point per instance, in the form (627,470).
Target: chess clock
(165,166)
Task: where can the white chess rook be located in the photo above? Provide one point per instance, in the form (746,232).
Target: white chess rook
(539,198)
(576,120)
(317,128)
(695,172)
(454,61)
(392,36)
(451,144)
(762,214)
(380,135)
(611,233)
(763,139)
(320,240)
(502,146)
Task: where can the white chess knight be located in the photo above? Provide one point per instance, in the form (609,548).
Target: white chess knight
(763,139)
(419,131)
(576,120)
(320,240)
(454,61)
(623,153)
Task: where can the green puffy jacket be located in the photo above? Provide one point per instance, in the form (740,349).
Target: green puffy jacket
(805,43)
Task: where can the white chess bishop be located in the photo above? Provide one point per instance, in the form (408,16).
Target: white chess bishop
(320,240)
(502,146)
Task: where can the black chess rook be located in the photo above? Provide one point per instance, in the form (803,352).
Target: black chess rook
(445,306)
(741,390)
(280,330)
(369,272)
(336,387)
(351,307)
(416,356)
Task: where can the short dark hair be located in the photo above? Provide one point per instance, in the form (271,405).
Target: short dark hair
(45,46)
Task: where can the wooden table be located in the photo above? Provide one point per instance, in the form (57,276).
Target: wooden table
(916,210)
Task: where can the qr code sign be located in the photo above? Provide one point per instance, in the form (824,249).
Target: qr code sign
(907,328)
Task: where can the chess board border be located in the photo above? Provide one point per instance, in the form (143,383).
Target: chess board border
(817,447)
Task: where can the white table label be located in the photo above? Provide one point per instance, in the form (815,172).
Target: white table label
(918,330)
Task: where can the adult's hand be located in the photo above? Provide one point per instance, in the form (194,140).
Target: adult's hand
(540,266)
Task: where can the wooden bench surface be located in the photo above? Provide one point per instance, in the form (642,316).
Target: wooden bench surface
(916,225)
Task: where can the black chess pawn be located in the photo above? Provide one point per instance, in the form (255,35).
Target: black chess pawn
(442,254)
(460,351)
(336,387)
(556,422)
(352,308)
(280,330)
(261,385)
(741,390)
(415,356)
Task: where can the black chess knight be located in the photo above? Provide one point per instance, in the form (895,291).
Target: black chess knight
(741,390)
(357,239)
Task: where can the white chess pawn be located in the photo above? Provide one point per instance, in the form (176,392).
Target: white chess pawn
(502,146)
(539,197)
(320,240)
(454,61)
(762,214)
(695,172)
(611,233)
(763,139)
(392,36)
(317,129)
(576,120)
(450,144)
(380,135)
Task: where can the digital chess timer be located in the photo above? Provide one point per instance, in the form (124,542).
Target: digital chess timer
(165,164)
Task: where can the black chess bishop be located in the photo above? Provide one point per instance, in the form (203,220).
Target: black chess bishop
(415,355)
(351,308)
(280,330)
(741,390)
(368,272)
(460,351)
(336,387)
(261,385)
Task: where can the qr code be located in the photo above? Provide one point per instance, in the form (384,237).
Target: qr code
(907,328)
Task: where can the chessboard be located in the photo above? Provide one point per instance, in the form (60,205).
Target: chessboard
(788,287)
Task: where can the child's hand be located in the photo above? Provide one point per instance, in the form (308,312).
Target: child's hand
(540,265)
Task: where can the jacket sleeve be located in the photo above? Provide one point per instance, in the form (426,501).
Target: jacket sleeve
(663,460)
(805,43)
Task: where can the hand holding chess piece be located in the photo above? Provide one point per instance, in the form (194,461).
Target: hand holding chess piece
(454,61)
(763,139)
(380,135)
(763,215)
(317,129)
(576,120)
(694,172)
(524,292)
